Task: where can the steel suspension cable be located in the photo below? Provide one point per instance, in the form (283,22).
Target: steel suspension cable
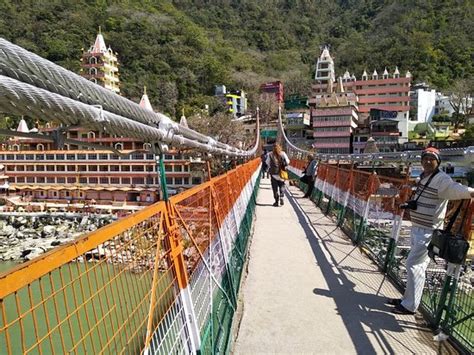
(24,99)
(29,68)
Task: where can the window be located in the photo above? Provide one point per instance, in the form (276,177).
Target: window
(178,168)
(169,181)
(103,168)
(93,180)
(71,180)
(150,180)
(185,181)
(104,180)
(83,180)
(59,156)
(61,180)
(92,167)
(20,179)
(196,180)
(92,156)
(168,157)
(20,168)
(71,168)
(40,180)
(126,181)
(115,180)
(178,181)
(49,156)
(138,181)
(29,157)
(114,168)
(103,156)
(30,179)
(138,168)
(30,168)
(81,156)
(70,157)
(39,167)
(50,180)
(82,168)
(168,168)
(125,167)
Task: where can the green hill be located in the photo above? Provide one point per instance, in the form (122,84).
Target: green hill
(180,49)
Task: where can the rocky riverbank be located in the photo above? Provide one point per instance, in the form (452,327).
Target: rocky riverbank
(25,236)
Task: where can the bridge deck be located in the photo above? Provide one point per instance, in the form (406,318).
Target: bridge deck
(310,290)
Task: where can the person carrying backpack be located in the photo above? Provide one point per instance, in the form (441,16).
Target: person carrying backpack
(277,161)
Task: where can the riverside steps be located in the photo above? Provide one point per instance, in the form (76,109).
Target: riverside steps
(309,289)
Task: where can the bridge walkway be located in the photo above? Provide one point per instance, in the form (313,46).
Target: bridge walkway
(310,290)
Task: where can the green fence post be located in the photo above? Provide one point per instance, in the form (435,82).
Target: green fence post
(392,244)
(449,290)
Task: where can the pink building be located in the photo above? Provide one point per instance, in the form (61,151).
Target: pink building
(334,116)
(388,92)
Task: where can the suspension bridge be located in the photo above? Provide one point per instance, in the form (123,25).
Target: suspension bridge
(216,268)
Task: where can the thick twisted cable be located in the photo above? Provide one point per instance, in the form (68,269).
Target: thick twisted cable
(23,99)
(22,65)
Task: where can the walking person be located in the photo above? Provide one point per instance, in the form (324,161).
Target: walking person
(427,212)
(310,175)
(276,161)
(263,157)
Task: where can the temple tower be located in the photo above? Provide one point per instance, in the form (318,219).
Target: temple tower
(99,64)
(325,68)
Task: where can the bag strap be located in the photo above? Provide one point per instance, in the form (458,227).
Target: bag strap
(453,218)
(427,184)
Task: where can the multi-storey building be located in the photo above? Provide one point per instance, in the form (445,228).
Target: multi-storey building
(36,168)
(384,129)
(4,185)
(334,116)
(99,64)
(298,121)
(275,88)
(235,101)
(423,103)
(389,92)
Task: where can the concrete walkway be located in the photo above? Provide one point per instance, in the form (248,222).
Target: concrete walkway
(310,290)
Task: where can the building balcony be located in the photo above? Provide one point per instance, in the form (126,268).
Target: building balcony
(365,108)
(331,145)
(385,133)
(96,75)
(316,123)
(331,134)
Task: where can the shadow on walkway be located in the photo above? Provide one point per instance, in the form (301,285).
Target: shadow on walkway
(357,309)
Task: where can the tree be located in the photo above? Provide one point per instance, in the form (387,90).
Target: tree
(460,100)
(268,107)
(469,132)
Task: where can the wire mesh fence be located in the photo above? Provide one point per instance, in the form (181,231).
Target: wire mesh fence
(163,280)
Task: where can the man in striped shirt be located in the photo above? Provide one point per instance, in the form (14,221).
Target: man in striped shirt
(434,190)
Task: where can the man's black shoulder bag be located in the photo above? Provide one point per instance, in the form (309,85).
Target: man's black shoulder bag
(447,245)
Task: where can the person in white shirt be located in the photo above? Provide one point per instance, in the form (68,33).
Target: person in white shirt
(276,161)
(427,212)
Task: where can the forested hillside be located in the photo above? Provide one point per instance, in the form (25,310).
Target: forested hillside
(180,49)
